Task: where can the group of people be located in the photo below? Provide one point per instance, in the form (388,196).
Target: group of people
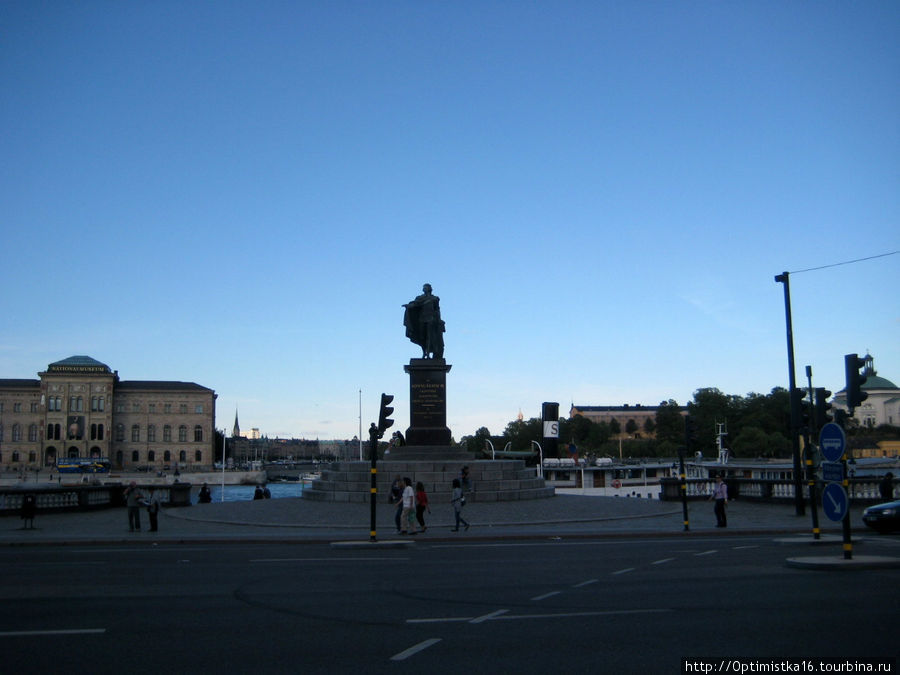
(262,492)
(412,504)
(135,499)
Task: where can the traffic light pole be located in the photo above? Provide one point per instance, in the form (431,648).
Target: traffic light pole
(784,278)
(373,453)
(810,462)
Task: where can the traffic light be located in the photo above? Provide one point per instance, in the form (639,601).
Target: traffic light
(383,414)
(690,431)
(822,407)
(799,409)
(855,380)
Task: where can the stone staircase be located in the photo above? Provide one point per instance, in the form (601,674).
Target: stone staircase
(489,480)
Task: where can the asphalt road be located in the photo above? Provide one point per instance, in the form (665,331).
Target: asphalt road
(630,605)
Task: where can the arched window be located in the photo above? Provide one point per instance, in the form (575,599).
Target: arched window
(151,456)
(16,433)
(198,456)
(167,456)
(135,433)
(182,456)
(151,433)
(32,432)
(182,434)
(167,433)
(198,434)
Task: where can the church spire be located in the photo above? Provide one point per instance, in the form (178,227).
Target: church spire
(237,427)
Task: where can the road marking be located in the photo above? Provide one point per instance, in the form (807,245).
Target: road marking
(741,548)
(415,649)
(625,571)
(72,631)
(706,553)
(660,562)
(292,560)
(546,595)
(502,615)
(586,583)
(488,617)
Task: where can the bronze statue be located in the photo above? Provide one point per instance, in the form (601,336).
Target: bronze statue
(423,323)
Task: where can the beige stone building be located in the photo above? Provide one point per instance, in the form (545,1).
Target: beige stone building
(79,408)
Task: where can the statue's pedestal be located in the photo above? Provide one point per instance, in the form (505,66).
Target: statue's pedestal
(428,402)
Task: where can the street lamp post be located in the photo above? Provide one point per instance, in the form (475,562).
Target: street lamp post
(784,278)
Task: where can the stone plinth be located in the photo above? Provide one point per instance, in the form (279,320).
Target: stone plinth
(427,402)
(489,481)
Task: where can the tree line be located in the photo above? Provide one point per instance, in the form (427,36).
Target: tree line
(758,425)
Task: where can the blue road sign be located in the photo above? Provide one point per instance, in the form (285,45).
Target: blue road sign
(834,502)
(832,442)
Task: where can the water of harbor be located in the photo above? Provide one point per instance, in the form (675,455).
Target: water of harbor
(239,493)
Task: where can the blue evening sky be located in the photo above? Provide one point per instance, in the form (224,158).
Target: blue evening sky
(243,194)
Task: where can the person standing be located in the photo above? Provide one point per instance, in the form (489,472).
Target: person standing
(409,499)
(29,508)
(396,497)
(458,500)
(421,505)
(153,509)
(886,487)
(133,500)
(205,496)
(720,494)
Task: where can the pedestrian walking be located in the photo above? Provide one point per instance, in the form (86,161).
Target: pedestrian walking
(720,494)
(396,497)
(421,505)
(409,499)
(458,499)
(134,498)
(205,496)
(258,493)
(153,509)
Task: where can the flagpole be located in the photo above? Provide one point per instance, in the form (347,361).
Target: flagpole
(360,426)
(223,464)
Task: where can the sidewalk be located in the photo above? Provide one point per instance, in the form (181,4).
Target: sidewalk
(299,520)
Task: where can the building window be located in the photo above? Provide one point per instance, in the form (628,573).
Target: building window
(182,434)
(16,433)
(53,431)
(98,404)
(151,433)
(199,409)
(167,434)
(120,407)
(198,456)
(135,407)
(182,456)
(135,433)
(151,456)
(198,434)
(120,432)
(151,408)
(167,456)
(34,406)
(17,407)
(76,404)
(99,432)
(135,457)
(15,456)
(167,408)
(32,432)
(32,456)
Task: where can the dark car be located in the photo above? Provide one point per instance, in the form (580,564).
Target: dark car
(883,517)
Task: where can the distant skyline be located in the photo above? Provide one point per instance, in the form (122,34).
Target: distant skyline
(243,195)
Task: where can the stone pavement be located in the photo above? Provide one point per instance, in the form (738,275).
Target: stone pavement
(299,520)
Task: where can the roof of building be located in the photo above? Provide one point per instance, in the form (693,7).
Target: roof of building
(78,363)
(159,385)
(13,383)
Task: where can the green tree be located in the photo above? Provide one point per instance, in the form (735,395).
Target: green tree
(669,423)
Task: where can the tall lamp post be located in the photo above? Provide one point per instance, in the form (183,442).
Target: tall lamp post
(784,278)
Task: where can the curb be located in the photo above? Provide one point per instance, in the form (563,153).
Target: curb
(861,562)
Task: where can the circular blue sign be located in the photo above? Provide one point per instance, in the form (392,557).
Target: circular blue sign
(832,442)
(834,502)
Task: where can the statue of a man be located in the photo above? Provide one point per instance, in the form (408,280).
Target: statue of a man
(423,323)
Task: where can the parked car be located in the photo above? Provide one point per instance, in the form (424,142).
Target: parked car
(883,517)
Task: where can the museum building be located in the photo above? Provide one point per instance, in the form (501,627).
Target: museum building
(79,408)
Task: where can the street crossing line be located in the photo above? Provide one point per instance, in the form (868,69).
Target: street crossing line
(501,615)
(71,631)
(546,595)
(415,649)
